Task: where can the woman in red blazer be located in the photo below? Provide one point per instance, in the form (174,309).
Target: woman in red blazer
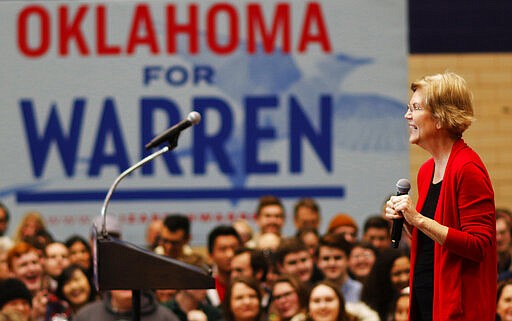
(453,225)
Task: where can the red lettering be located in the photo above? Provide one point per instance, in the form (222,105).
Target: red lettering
(314,18)
(142,22)
(72,31)
(191,29)
(232,32)
(102,45)
(255,22)
(44,31)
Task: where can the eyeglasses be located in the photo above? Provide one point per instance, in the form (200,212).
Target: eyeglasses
(414,107)
(282,296)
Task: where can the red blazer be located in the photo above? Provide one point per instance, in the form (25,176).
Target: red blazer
(465,266)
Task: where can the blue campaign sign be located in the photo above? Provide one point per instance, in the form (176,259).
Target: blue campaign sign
(297,99)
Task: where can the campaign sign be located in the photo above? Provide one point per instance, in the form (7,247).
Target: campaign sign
(297,99)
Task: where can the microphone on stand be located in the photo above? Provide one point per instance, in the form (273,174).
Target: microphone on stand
(403,186)
(193,118)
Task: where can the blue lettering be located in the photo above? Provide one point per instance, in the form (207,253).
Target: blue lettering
(151,73)
(215,143)
(254,134)
(149,107)
(108,127)
(320,141)
(67,146)
(178,75)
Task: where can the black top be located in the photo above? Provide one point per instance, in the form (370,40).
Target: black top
(423,285)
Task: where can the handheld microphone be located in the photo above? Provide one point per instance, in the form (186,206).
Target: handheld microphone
(193,118)
(403,186)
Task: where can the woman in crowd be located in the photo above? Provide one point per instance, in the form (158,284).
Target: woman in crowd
(389,276)
(289,299)
(310,237)
(326,303)
(361,260)
(74,290)
(504,301)
(30,225)
(242,301)
(80,253)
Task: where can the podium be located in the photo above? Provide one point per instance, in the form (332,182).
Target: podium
(120,265)
(123,266)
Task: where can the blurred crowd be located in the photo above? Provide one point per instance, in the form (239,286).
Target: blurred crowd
(343,273)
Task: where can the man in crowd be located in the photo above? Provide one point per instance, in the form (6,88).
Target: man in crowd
(333,254)
(270,215)
(223,240)
(175,237)
(377,232)
(306,214)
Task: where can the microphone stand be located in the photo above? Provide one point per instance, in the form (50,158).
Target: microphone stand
(173,142)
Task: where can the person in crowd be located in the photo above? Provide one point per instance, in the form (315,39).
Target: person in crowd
(326,303)
(25,264)
(289,299)
(504,301)
(293,257)
(243,301)
(248,262)
(30,225)
(270,215)
(4,268)
(376,231)
(332,260)
(503,240)
(453,224)
(310,237)
(80,253)
(117,305)
(153,231)
(175,238)
(361,260)
(389,276)
(112,224)
(306,213)
(246,233)
(74,291)
(5,241)
(268,241)
(401,307)
(56,258)
(15,299)
(188,302)
(223,240)
(343,224)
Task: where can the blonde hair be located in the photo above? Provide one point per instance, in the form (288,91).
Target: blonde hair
(449,100)
(32,215)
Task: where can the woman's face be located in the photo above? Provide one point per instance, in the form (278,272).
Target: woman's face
(57,259)
(504,307)
(286,300)
(30,227)
(77,289)
(399,273)
(78,254)
(244,302)
(361,261)
(422,126)
(323,304)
